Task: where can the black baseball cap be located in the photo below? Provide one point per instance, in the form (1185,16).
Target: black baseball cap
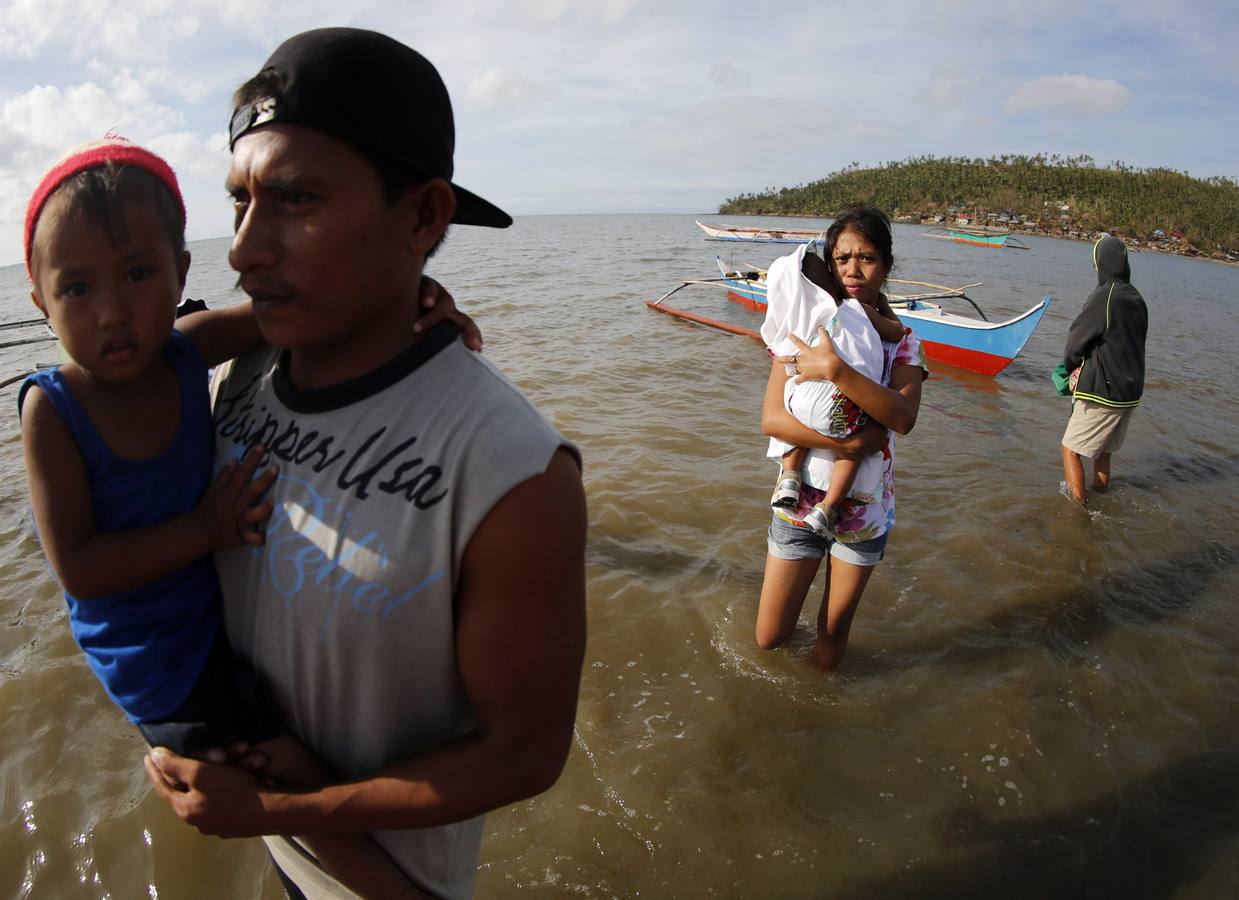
(373,92)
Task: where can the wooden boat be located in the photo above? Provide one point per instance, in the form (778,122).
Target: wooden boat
(981,235)
(977,345)
(762,235)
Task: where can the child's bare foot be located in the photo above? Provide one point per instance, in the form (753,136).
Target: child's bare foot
(786,490)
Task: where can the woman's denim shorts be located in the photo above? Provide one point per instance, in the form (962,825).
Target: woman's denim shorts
(787,541)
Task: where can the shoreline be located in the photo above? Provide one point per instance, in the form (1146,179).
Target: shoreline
(1141,247)
(1136,248)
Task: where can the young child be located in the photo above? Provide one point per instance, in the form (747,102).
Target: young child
(118,446)
(856,329)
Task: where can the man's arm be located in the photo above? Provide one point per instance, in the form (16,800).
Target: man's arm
(89,563)
(1086,330)
(777,422)
(520,641)
(222,334)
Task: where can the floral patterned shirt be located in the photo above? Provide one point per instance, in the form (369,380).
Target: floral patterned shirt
(869,510)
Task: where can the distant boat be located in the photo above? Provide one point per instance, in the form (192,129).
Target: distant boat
(763,235)
(966,343)
(981,235)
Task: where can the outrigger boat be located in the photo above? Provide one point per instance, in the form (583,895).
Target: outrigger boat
(763,235)
(26,332)
(981,235)
(966,343)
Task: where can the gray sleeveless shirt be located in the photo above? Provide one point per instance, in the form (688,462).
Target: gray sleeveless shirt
(346,612)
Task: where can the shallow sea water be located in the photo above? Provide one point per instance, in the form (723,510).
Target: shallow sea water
(1037,700)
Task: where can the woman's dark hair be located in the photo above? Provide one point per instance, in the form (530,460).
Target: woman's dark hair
(870,223)
(101,195)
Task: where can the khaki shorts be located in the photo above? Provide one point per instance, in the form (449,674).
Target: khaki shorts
(1094,429)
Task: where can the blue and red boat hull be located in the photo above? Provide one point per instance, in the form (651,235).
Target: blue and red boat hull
(984,347)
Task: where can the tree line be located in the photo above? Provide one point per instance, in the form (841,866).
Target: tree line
(1203,212)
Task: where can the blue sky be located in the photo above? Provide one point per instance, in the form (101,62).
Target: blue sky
(645,105)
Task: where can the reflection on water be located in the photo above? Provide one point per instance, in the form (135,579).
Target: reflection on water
(1035,698)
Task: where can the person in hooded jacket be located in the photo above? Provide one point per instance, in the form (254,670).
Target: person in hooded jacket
(1106,344)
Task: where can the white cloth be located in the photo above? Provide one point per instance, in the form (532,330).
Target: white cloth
(794,305)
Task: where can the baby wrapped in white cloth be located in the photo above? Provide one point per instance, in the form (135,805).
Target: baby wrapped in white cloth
(797,306)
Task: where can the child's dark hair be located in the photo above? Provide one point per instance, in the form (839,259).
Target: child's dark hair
(102,194)
(870,223)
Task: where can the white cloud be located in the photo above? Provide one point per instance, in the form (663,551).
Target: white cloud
(726,75)
(40,124)
(188,154)
(558,12)
(54,119)
(1073,95)
(949,90)
(124,29)
(48,117)
(565,106)
(758,131)
(495,87)
(185,87)
(1006,16)
(24,26)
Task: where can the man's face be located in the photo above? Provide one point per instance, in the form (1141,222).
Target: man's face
(319,250)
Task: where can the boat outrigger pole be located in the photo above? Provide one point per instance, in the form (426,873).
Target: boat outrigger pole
(943,293)
(700,320)
(23,323)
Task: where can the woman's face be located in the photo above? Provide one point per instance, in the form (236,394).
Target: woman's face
(859,266)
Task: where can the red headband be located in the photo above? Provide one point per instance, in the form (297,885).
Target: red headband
(89,156)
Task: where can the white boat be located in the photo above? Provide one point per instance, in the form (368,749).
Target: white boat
(762,234)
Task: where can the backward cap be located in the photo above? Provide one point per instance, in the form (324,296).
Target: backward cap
(375,93)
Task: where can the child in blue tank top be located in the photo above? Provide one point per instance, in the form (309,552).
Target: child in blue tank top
(118,445)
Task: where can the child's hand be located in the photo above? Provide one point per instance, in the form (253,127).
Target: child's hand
(437,306)
(238,753)
(231,512)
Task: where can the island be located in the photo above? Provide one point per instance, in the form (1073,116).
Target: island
(1071,197)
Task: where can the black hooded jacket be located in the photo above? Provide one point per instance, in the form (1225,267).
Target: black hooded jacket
(1108,334)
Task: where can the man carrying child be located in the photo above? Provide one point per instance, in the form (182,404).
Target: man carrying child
(417,615)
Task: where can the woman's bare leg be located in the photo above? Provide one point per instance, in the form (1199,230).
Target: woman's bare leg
(845,582)
(783,590)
